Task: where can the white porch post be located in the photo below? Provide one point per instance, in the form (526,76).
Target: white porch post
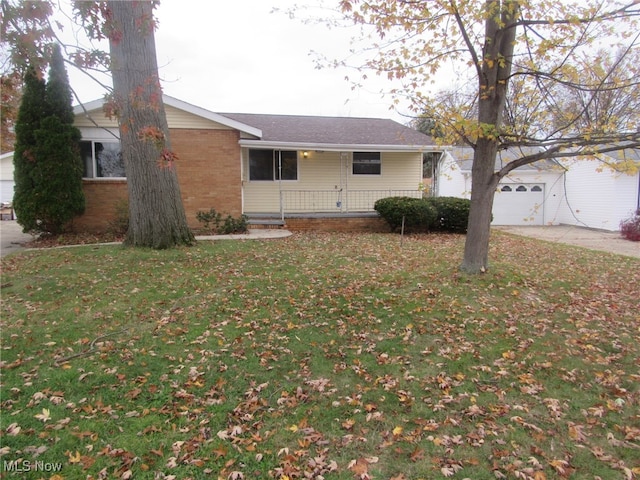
(280,184)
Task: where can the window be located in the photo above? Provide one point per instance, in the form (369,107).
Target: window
(536,188)
(102,159)
(506,188)
(521,188)
(289,165)
(267,165)
(366,163)
(429,163)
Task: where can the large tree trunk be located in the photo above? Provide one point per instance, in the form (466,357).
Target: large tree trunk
(493,77)
(156,214)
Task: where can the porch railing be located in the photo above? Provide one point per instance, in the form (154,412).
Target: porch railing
(336,201)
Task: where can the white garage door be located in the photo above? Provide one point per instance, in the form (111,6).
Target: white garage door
(519,204)
(6,191)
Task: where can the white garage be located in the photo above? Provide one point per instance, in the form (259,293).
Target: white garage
(519,204)
(6,177)
(529,195)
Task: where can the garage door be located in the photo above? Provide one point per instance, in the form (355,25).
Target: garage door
(6,191)
(519,204)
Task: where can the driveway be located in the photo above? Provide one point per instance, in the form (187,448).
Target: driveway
(11,237)
(601,240)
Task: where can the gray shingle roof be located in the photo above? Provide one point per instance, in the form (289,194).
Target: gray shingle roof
(464,158)
(332,130)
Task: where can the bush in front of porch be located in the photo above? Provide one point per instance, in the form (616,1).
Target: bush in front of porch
(445,214)
(415,214)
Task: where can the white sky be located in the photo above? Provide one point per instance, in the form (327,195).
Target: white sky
(238,56)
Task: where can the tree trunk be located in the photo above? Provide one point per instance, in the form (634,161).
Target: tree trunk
(493,80)
(484,181)
(156,213)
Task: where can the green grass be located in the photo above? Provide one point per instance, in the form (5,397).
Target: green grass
(321,356)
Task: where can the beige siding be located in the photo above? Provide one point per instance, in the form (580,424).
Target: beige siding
(96,118)
(328,175)
(176,118)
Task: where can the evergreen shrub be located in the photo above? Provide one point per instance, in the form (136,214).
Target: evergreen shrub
(419,215)
(453,213)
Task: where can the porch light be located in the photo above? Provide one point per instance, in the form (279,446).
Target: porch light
(305,154)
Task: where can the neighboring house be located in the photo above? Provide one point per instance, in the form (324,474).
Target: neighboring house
(307,172)
(529,195)
(6,186)
(6,177)
(578,191)
(600,193)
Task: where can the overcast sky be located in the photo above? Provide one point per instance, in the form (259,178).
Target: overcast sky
(238,56)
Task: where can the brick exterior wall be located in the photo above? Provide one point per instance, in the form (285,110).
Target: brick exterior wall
(101,198)
(209,174)
(209,171)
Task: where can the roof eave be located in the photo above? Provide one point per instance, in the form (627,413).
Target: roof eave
(336,147)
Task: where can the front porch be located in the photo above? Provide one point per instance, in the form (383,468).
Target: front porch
(329,210)
(334,201)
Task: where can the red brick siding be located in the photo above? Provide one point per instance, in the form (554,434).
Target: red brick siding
(209,174)
(209,171)
(101,198)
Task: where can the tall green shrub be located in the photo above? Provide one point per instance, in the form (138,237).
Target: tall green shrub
(51,192)
(31,112)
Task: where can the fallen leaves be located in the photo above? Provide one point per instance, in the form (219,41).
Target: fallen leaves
(45,415)
(311,361)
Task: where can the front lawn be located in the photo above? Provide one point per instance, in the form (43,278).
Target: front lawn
(320,356)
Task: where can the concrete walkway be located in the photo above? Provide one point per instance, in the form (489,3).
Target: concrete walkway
(601,240)
(12,238)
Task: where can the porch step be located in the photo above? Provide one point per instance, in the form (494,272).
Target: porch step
(262,222)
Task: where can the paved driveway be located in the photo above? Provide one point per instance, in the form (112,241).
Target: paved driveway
(582,237)
(11,237)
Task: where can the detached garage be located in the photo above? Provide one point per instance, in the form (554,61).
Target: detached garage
(529,195)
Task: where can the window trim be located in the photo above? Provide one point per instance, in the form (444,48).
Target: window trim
(275,171)
(367,159)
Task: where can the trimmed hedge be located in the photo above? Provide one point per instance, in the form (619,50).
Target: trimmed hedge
(453,213)
(445,214)
(418,214)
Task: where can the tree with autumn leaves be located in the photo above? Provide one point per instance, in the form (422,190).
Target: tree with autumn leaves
(156,214)
(538,76)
